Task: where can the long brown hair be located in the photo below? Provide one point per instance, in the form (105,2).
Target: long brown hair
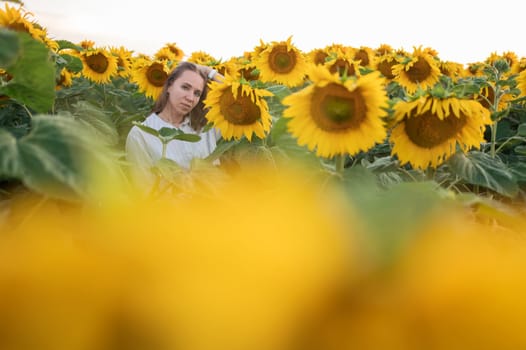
(198,113)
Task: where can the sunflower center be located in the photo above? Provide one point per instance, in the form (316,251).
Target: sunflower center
(97,62)
(488,96)
(156,75)
(19,27)
(340,66)
(335,108)
(420,71)
(363,57)
(319,57)
(386,68)
(282,60)
(427,130)
(240,110)
(249,73)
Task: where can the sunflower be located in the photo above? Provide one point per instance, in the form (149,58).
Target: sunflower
(453,70)
(64,80)
(419,70)
(42,36)
(53,45)
(431,51)
(237,109)
(256,51)
(364,56)
(337,115)
(521,82)
(341,63)
(428,129)
(510,57)
(150,76)
(487,98)
(522,64)
(4,77)
(99,65)
(241,67)
(177,52)
(124,60)
(202,58)
(283,63)
(222,67)
(384,64)
(384,49)
(246,284)
(18,19)
(87,44)
(338,49)
(166,54)
(318,56)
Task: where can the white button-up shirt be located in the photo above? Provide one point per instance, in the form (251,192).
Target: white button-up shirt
(143,150)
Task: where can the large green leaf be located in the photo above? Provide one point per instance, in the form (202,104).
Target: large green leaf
(391,217)
(478,168)
(284,145)
(9,47)
(54,158)
(97,119)
(14,118)
(33,72)
(521,130)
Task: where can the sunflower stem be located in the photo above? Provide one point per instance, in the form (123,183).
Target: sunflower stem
(493,139)
(339,163)
(430,173)
(163,154)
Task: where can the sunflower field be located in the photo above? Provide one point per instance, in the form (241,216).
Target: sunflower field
(359,198)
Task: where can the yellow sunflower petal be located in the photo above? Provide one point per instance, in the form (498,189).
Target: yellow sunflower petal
(334,117)
(428,136)
(238,109)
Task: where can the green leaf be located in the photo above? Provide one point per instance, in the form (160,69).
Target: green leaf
(72,63)
(15,119)
(9,47)
(285,145)
(222,147)
(187,137)
(54,158)
(478,168)
(33,72)
(280,91)
(392,217)
(168,133)
(98,120)
(9,167)
(520,150)
(519,171)
(146,129)
(65,44)
(279,128)
(521,130)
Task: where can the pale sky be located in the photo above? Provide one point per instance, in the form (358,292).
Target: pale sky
(463,31)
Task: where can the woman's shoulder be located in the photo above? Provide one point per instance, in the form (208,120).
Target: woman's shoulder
(152,121)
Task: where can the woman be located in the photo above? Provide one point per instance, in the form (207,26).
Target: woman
(180,105)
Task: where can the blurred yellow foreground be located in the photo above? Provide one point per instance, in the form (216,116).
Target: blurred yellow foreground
(266,261)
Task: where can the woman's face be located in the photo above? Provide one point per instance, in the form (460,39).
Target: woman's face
(185,91)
